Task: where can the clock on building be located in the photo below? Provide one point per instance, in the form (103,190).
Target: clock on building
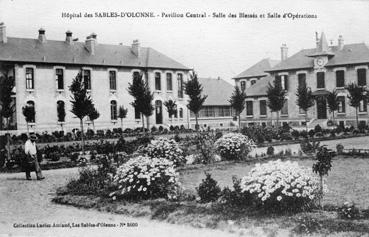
(320,62)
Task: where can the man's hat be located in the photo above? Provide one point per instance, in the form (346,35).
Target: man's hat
(32,136)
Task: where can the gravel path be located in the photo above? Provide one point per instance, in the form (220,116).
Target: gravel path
(29,202)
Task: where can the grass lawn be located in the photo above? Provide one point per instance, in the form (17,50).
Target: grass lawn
(347,181)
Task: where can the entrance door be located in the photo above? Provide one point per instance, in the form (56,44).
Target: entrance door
(158,112)
(321,108)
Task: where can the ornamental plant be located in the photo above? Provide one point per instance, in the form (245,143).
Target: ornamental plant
(143,177)
(165,148)
(281,186)
(234,146)
(208,190)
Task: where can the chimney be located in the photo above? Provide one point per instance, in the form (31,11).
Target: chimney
(41,35)
(68,37)
(316,40)
(284,52)
(136,48)
(340,42)
(3,38)
(90,44)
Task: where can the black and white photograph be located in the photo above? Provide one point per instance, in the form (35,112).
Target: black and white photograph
(184,118)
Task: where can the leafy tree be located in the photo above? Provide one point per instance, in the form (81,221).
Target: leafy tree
(93,114)
(305,100)
(122,113)
(29,114)
(193,89)
(81,102)
(276,97)
(357,94)
(61,113)
(146,104)
(237,102)
(171,108)
(137,90)
(332,102)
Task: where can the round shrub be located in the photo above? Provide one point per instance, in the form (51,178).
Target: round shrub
(144,178)
(270,151)
(165,148)
(208,190)
(234,146)
(339,148)
(282,186)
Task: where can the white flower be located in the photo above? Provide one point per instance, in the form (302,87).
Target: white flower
(279,198)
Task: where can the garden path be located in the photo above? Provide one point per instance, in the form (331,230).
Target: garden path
(29,202)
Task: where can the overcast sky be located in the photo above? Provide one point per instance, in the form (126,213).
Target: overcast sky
(214,47)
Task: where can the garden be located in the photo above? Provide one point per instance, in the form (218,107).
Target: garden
(210,181)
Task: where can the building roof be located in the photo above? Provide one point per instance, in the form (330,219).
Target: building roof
(61,52)
(259,88)
(350,54)
(258,69)
(218,91)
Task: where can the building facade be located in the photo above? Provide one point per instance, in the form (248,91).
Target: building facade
(44,69)
(323,68)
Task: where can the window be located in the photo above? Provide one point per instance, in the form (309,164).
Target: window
(169,82)
(284,110)
(249,108)
(87,79)
(157,81)
(113,110)
(180,85)
(60,107)
(361,77)
(31,105)
(253,82)
(301,111)
(301,77)
(341,104)
(363,106)
(180,113)
(137,114)
(113,80)
(340,78)
(263,107)
(59,73)
(282,81)
(320,81)
(135,75)
(243,85)
(30,79)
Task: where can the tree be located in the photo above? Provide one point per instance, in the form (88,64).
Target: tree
(146,104)
(61,113)
(276,98)
(237,102)
(137,90)
(305,100)
(122,113)
(357,94)
(7,106)
(332,102)
(81,102)
(193,89)
(93,114)
(171,108)
(29,114)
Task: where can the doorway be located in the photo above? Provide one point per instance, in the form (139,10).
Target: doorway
(158,112)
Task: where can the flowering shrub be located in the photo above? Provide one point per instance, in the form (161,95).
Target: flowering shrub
(282,186)
(144,177)
(348,211)
(234,146)
(165,148)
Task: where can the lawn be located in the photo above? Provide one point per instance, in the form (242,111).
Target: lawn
(347,181)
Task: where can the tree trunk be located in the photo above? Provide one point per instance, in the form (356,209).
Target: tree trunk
(121,123)
(334,122)
(82,138)
(143,123)
(321,192)
(277,119)
(197,124)
(306,121)
(148,123)
(357,119)
(93,125)
(27,129)
(8,139)
(239,122)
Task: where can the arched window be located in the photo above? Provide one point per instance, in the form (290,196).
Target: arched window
(113,110)
(243,85)
(180,113)
(60,107)
(169,82)
(157,81)
(180,85)
(30,118)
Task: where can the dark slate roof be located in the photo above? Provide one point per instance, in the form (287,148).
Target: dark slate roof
(258,70)
(218,91)
(259,88)
(350,54)
(60,52)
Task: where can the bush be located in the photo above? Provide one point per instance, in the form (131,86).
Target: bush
(317,128)
(165,148)
(281,186)
(295,134)
(235,197)
(208,190)
(234,146)
(270,151)
(145,178)
(311,133)
(309,147)
(339,148)
(348,211)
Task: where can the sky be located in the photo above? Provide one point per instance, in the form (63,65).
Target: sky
(214,47)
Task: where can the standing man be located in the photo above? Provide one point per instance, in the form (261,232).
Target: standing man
(31,158)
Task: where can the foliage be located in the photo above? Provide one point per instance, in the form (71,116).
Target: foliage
(348,211)
(332,101)
(339,148)
(235,198)
(260,134)
(281,186)
(270,150)
(122,112)
(309,147)
(205,144)
(29,113)
(234,146)
(237,102)
(307,225)
(165,148)
(324,159)
(145,178)
(208,190)
(305,98)
(276,97)
(93,114)
(6,92)
(356,95)
(171,107)
(81,101)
